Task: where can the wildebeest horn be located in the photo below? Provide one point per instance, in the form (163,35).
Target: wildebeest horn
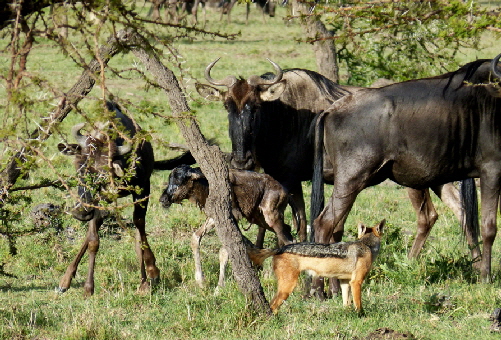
(123,149)
(75,131)
(494,67)
(257,80)
(228,81)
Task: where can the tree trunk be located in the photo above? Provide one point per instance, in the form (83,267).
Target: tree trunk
(324,47)
(213,166)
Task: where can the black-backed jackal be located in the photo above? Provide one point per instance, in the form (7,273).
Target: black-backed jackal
(348,261)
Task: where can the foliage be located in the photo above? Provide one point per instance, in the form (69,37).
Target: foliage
(401,40)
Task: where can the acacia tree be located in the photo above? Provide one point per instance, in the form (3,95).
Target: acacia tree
(128,32)
(359,41)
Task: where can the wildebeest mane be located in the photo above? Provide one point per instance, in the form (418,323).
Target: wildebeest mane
(468,70)
(331,90)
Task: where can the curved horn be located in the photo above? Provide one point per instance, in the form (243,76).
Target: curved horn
(75,131)
(123,149)
(257,80)
(228,81)
(494,67)
(97,133)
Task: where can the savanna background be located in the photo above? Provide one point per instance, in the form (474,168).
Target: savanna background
(437,296)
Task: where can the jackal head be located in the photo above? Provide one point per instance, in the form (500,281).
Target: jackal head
(377,230)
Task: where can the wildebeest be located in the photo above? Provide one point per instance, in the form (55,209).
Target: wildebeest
(418,133)
(267,6)
(256,197)
(176,10)
(271,120)
(101,160)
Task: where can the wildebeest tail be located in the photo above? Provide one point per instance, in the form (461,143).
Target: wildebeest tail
(470,216)
(258,256)
(169,164)
(317,181)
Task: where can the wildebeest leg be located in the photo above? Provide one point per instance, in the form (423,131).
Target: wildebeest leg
(489,188)
(143,250)
(91,244)
(346,290)
(272,207)
(260,237)
(196,238)
(426,218)
(449,194)
(329,228)
(296,193)
(223,261)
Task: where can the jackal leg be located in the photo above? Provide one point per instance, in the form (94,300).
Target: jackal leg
(287,277)
(361,270)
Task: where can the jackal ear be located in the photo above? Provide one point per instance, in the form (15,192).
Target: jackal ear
(361,229)
(379,227)
(209,92)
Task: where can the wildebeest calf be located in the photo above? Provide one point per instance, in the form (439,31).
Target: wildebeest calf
(257,197)
(103,160)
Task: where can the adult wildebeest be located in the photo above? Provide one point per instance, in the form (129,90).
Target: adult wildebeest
(101,160)
(418,133)
(176,10)
(256,197)
(270,125)
(267,6)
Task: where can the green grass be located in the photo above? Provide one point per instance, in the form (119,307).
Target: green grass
(434,297)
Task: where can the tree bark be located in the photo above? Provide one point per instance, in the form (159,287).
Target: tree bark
(325,49)
(213,166)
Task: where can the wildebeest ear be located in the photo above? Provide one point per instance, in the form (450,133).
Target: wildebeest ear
(196,173)
(117,168)
(69,149)
(272,92)
(209,92)
(361,229)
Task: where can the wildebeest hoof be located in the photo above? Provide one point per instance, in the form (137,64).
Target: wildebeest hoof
(155,281)
(60,290)
(496,321)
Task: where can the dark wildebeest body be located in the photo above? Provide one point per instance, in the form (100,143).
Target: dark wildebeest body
(270,125)
(254,196)
(106,159)
(418,133)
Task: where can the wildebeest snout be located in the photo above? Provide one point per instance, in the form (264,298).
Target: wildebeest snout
(243,162)
(166,198)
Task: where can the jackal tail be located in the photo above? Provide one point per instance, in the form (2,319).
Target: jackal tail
(258,256)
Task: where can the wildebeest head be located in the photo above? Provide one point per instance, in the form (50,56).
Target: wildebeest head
(97,157)
(243,101)
(182,185)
